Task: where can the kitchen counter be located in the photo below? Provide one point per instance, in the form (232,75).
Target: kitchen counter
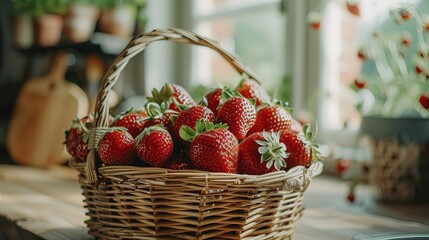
(47,204)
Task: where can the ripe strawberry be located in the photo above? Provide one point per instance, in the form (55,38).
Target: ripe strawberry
(353,7)
(158,114)
(360,84)
(154,146)
(213,99)
(116,147)
(299,146)
(239,114)
(132,120)
(189,117)
(272,118)
(82,150)
(179,164)
(251,89)
(261,153)
(174,94)
(76,134)
(215,149)
(424,101)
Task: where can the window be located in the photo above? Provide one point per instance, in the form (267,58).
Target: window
(254,30)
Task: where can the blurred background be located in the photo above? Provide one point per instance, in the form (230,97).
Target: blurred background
(308,53)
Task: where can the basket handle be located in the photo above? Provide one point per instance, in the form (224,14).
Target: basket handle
(137,45)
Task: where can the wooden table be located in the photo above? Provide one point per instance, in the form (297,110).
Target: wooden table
(47,204)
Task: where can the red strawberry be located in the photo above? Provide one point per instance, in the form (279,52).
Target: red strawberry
(133,121)
(179,164)
(261,153)
(116,147)
(424,101)
(154,146)
(298,145)
(158,114)
(360,84)
(190,116)
(272,118)
(82,150)
(251,89)
(75,135)
(239,114)
(213,99)
(353,7)
(213,150)
(174,94)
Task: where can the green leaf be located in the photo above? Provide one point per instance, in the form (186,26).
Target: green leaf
(187,133)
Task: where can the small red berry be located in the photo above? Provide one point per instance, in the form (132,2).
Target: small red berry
(351,197)
(406,14)
(314,20)
(360,84)
(406,41)
(353,8)
(418,70)
(341,166)
(424,101)
(361,55)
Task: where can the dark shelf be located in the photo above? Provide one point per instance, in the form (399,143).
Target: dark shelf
(100,43)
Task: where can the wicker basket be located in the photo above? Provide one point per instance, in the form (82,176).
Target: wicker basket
(129,202)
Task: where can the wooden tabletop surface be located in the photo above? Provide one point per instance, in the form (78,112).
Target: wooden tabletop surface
(48,203)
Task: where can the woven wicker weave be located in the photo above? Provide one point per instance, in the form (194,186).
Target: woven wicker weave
(129,202)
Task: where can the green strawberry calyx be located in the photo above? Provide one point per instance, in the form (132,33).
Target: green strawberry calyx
(188,134)
(278,103)
(123,114)
(103,131)
(273,152)
(160,96)
(228,94)
(155,110)
(148,131)
(309,138)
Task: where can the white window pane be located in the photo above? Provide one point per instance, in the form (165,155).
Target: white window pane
(247,35)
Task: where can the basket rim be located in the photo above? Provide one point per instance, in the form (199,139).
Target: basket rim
(297,178)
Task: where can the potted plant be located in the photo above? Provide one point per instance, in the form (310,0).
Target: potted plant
(394,102)
(49,21)
(23,22)
(119,17)
(80,20)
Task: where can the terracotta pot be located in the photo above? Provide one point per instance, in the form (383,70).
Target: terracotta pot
(23,31)
(119,21)
(48,30)
(400,158)
(80,22)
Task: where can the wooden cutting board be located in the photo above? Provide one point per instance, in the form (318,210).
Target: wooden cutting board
(45,107)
